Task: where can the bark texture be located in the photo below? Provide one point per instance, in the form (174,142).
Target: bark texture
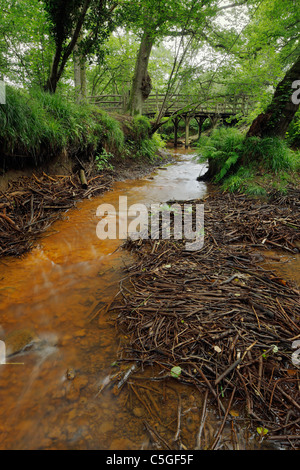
(141,84)
(79,75)
(281,111)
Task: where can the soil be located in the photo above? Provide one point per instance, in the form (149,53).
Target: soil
(136,169)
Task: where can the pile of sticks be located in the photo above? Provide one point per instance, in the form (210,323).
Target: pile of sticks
(227,323)
(30,205)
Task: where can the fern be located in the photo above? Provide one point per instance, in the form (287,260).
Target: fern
(232,160)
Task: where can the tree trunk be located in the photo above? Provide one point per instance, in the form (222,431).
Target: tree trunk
(79,75)
(52,81)
(141,85)
(61,58)
(280,113)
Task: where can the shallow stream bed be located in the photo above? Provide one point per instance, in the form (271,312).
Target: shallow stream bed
(50,394)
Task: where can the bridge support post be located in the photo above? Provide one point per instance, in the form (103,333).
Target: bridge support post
(187,120)
(214,120)
(200,121)
(176,123)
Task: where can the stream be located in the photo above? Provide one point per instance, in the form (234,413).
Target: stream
(50,395)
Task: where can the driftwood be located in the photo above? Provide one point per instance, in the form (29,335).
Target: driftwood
(83,179)
(227,322)
(30,206)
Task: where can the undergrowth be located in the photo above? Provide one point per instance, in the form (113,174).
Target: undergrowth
(140,143)
(252,165)
(293,134)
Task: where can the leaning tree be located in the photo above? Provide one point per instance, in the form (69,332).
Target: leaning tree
(282,109)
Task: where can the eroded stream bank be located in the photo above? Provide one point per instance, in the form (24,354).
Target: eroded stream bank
(52,400)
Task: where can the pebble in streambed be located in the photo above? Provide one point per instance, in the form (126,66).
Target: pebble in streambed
(19,341)
(24,340)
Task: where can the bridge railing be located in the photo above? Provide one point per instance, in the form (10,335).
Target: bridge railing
(112,103)
(187,104)
(192,104)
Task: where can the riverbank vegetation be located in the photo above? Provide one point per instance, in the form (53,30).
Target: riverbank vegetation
(253,165)
(73,52)
(37,126)
(79,76)
(218,319)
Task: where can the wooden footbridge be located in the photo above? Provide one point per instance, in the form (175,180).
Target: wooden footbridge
(180,107)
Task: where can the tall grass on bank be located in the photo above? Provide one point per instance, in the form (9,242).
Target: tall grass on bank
(235,161)
(139,141)
(38,126)
(293,134)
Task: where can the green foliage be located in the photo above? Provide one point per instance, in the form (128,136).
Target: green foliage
(158,140)
(223,150)
(237,181)
(158,19)
(293,135)
(141,127)
(139,141)
(262,431)
(167,128)
(176,372)
(271,153)
(245,55)
(25,126)
(148,147)
(112,133)
(112,74)
(237,162)
(67,22)
(62,16)
(73,123)
(40,124)
(25,49)
(255,190)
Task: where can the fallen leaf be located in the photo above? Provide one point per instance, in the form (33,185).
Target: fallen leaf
(175,372)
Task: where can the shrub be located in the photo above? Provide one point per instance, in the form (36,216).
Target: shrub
(222,149)
(141,128)
(39,125)
(148,147)
(293,134)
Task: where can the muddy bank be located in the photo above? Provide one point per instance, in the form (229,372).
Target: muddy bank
(32,201)
(227,324)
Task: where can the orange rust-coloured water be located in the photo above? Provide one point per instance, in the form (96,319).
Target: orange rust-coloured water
(53,291)
(49,397)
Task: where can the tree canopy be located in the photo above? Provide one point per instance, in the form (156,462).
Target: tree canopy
(207,48)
